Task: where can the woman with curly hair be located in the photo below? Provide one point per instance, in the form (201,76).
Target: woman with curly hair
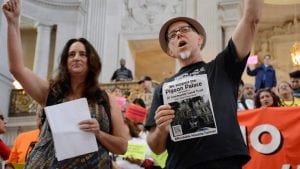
(266,98)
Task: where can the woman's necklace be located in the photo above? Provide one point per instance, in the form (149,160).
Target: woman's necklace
(286,105)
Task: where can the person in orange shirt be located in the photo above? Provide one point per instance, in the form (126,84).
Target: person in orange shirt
(4,149)
(24,142)
(22,145)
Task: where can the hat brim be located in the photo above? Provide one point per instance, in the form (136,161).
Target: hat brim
(195,24)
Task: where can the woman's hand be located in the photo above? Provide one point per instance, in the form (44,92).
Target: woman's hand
(90,125)
(11,9)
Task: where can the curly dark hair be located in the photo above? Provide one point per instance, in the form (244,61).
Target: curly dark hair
(61,84)
(276,99)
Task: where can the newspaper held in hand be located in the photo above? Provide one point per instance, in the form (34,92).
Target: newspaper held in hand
(69,140)
(191,101)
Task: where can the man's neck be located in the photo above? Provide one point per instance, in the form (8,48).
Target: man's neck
(191,60)
(287,97)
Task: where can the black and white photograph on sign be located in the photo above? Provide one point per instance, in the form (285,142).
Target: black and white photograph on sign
(192,115)
(190,98)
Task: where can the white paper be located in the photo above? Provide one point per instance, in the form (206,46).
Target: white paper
(69,140)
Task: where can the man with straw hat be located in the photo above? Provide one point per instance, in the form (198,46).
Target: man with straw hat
(183,39)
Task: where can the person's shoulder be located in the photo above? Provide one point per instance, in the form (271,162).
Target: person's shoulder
(29,133)
(2,144)
(117,70)
(272,67)
(33,132)
(259,67)
(297,99)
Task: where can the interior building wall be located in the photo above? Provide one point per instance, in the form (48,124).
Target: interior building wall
(28,43)
(118,29)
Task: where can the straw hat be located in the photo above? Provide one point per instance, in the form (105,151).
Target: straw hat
(164,29)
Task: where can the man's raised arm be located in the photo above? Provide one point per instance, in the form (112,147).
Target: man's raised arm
(244,34)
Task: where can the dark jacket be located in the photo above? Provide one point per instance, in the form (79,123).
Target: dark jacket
(265,76)
(122,74)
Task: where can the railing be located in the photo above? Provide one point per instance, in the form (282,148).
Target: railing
(21,104)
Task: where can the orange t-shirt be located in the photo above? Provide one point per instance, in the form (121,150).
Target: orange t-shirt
(21,145)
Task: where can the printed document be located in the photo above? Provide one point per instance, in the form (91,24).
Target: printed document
(190,98)
(69,140)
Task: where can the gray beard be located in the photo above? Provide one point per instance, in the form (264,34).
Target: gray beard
(185,55)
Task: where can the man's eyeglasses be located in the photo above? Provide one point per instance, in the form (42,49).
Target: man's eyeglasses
(182,29)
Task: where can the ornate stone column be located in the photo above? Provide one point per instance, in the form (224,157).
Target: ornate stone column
(96,32)
(42,50)
(230,14)
(96,24)
(207,15)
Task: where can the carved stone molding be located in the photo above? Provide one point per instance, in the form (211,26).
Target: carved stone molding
(52,13)
(58,4)
(263,44)
(277,41)
(21,121)
(287,27)
(229,16)
(149,15)
(229,12)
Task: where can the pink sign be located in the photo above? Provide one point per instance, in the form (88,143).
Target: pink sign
(252,60)
(121,102)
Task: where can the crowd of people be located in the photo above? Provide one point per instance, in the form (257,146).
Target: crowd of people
(283,95)
(130,134)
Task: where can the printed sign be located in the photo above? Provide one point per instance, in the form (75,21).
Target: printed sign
(272,136)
